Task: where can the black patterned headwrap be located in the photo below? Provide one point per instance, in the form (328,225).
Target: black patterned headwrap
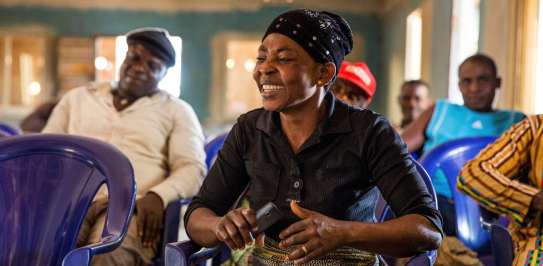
(325,36)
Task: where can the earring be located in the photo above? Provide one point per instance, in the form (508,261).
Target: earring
(319,83)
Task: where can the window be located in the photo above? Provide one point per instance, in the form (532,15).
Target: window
(234,91)
(413,46)
(464,41)
(26,71)
(241,92)
(110,54)
(23,79)
(74,63)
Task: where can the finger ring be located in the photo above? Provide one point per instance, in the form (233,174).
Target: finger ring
(304,249)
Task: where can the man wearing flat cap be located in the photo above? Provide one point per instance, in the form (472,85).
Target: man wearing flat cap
(160,135)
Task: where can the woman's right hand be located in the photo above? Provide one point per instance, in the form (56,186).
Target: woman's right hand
(235,228)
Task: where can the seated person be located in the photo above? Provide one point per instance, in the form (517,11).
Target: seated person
(506,178)
(315,158)
(160,135)
(445,121)
(355,85)
(35,121)
(414,98)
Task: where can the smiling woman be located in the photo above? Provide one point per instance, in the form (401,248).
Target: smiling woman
(286,75)
(315,158)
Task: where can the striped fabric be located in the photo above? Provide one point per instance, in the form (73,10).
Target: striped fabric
(272,255)
(505,177)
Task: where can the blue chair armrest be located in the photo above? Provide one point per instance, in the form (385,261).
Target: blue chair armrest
(172,217)
(7,130)
(203,255)
(501,242)
(83,255)
(177,254)
(425,259)
(188,253)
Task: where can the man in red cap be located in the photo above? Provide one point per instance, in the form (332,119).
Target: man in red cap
(355,84)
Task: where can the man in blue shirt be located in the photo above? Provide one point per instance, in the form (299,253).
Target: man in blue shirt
(445,121)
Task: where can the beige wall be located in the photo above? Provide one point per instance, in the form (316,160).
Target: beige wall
(508,34)
(436,24)
(495,40)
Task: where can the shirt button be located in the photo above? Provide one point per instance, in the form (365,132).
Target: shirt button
(296,184)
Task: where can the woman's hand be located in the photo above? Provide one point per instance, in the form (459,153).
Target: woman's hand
(316,235)
(235,228)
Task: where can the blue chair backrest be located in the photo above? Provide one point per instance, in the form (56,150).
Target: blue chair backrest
(502,245)
(213,147)
(47,183)
(383,211)
(172,215)
(7,130)
(450,157)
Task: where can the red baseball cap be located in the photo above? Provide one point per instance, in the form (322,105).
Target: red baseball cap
(360,75)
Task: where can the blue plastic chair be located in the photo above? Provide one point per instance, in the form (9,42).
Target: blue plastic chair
(172,213)
(213,147)
(189,253)
(47,183)
(170,232)
(450,157)
(7,130)
(502,245)
(383,213)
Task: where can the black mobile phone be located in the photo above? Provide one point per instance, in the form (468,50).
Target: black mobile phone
(267,216)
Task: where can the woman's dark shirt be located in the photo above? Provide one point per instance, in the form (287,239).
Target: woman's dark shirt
(351,152)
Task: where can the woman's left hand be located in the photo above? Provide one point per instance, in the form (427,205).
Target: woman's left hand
(315,235)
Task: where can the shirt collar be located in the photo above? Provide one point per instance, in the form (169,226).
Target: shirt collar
(337,119)
(103,91)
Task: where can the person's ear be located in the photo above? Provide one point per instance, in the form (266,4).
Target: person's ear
(162,73)
(328,70)
(498,82)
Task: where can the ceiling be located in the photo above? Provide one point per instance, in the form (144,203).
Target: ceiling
(354,6)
